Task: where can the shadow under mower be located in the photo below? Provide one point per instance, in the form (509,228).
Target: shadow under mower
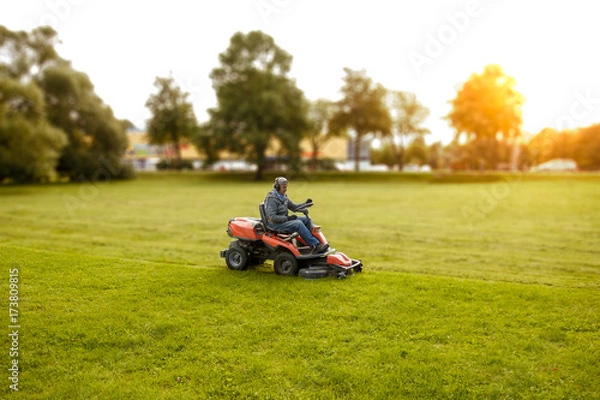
(256,242)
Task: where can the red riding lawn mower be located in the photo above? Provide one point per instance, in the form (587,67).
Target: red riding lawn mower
(256,242)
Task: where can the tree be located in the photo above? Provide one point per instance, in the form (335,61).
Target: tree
(209,142)
(408,115)
(417,152)
(437,156)
(582,145)
(362,109)
(320,114)
(29,146)
(487,109)
(28,54)
(541,145)
(587,152)
(96,139)
(384,154)
(127,124)
(257,101)
(173,118)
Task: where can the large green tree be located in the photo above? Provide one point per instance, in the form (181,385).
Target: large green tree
(96,139)
(26,54)
(256,100)
(487,109)
(173,119)
(29,146)
(362,109)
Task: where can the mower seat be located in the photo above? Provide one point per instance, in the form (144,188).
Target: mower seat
(286,236)
(263,217)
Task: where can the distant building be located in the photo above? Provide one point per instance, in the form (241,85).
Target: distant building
(144,156)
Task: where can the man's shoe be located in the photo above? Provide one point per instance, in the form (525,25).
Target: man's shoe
(321,248)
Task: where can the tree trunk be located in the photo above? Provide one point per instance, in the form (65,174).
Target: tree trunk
(400,153)
(357,152)
(493,153)
(399,156)
(514,155)
(260,163)
(259,172)
(178,160)
(315,158)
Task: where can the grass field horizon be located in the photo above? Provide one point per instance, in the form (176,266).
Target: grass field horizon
(475,286)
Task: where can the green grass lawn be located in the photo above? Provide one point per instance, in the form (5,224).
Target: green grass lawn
(473,287)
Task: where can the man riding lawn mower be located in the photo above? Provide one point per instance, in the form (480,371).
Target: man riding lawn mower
(294,243)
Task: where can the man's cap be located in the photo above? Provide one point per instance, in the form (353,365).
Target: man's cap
(280,180)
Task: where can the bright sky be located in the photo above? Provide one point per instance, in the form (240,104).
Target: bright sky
(428,47)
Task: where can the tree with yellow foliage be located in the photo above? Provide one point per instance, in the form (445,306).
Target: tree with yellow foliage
(487,110)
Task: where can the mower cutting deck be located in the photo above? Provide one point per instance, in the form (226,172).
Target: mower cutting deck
(255,243)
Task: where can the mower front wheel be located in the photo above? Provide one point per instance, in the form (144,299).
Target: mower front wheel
(285,264)
(236,257)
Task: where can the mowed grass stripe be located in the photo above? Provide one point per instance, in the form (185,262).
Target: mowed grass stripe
(101,327)
(536,231)
(464,295)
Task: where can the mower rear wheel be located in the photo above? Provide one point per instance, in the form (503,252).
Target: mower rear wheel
(285,264)
(236,257)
